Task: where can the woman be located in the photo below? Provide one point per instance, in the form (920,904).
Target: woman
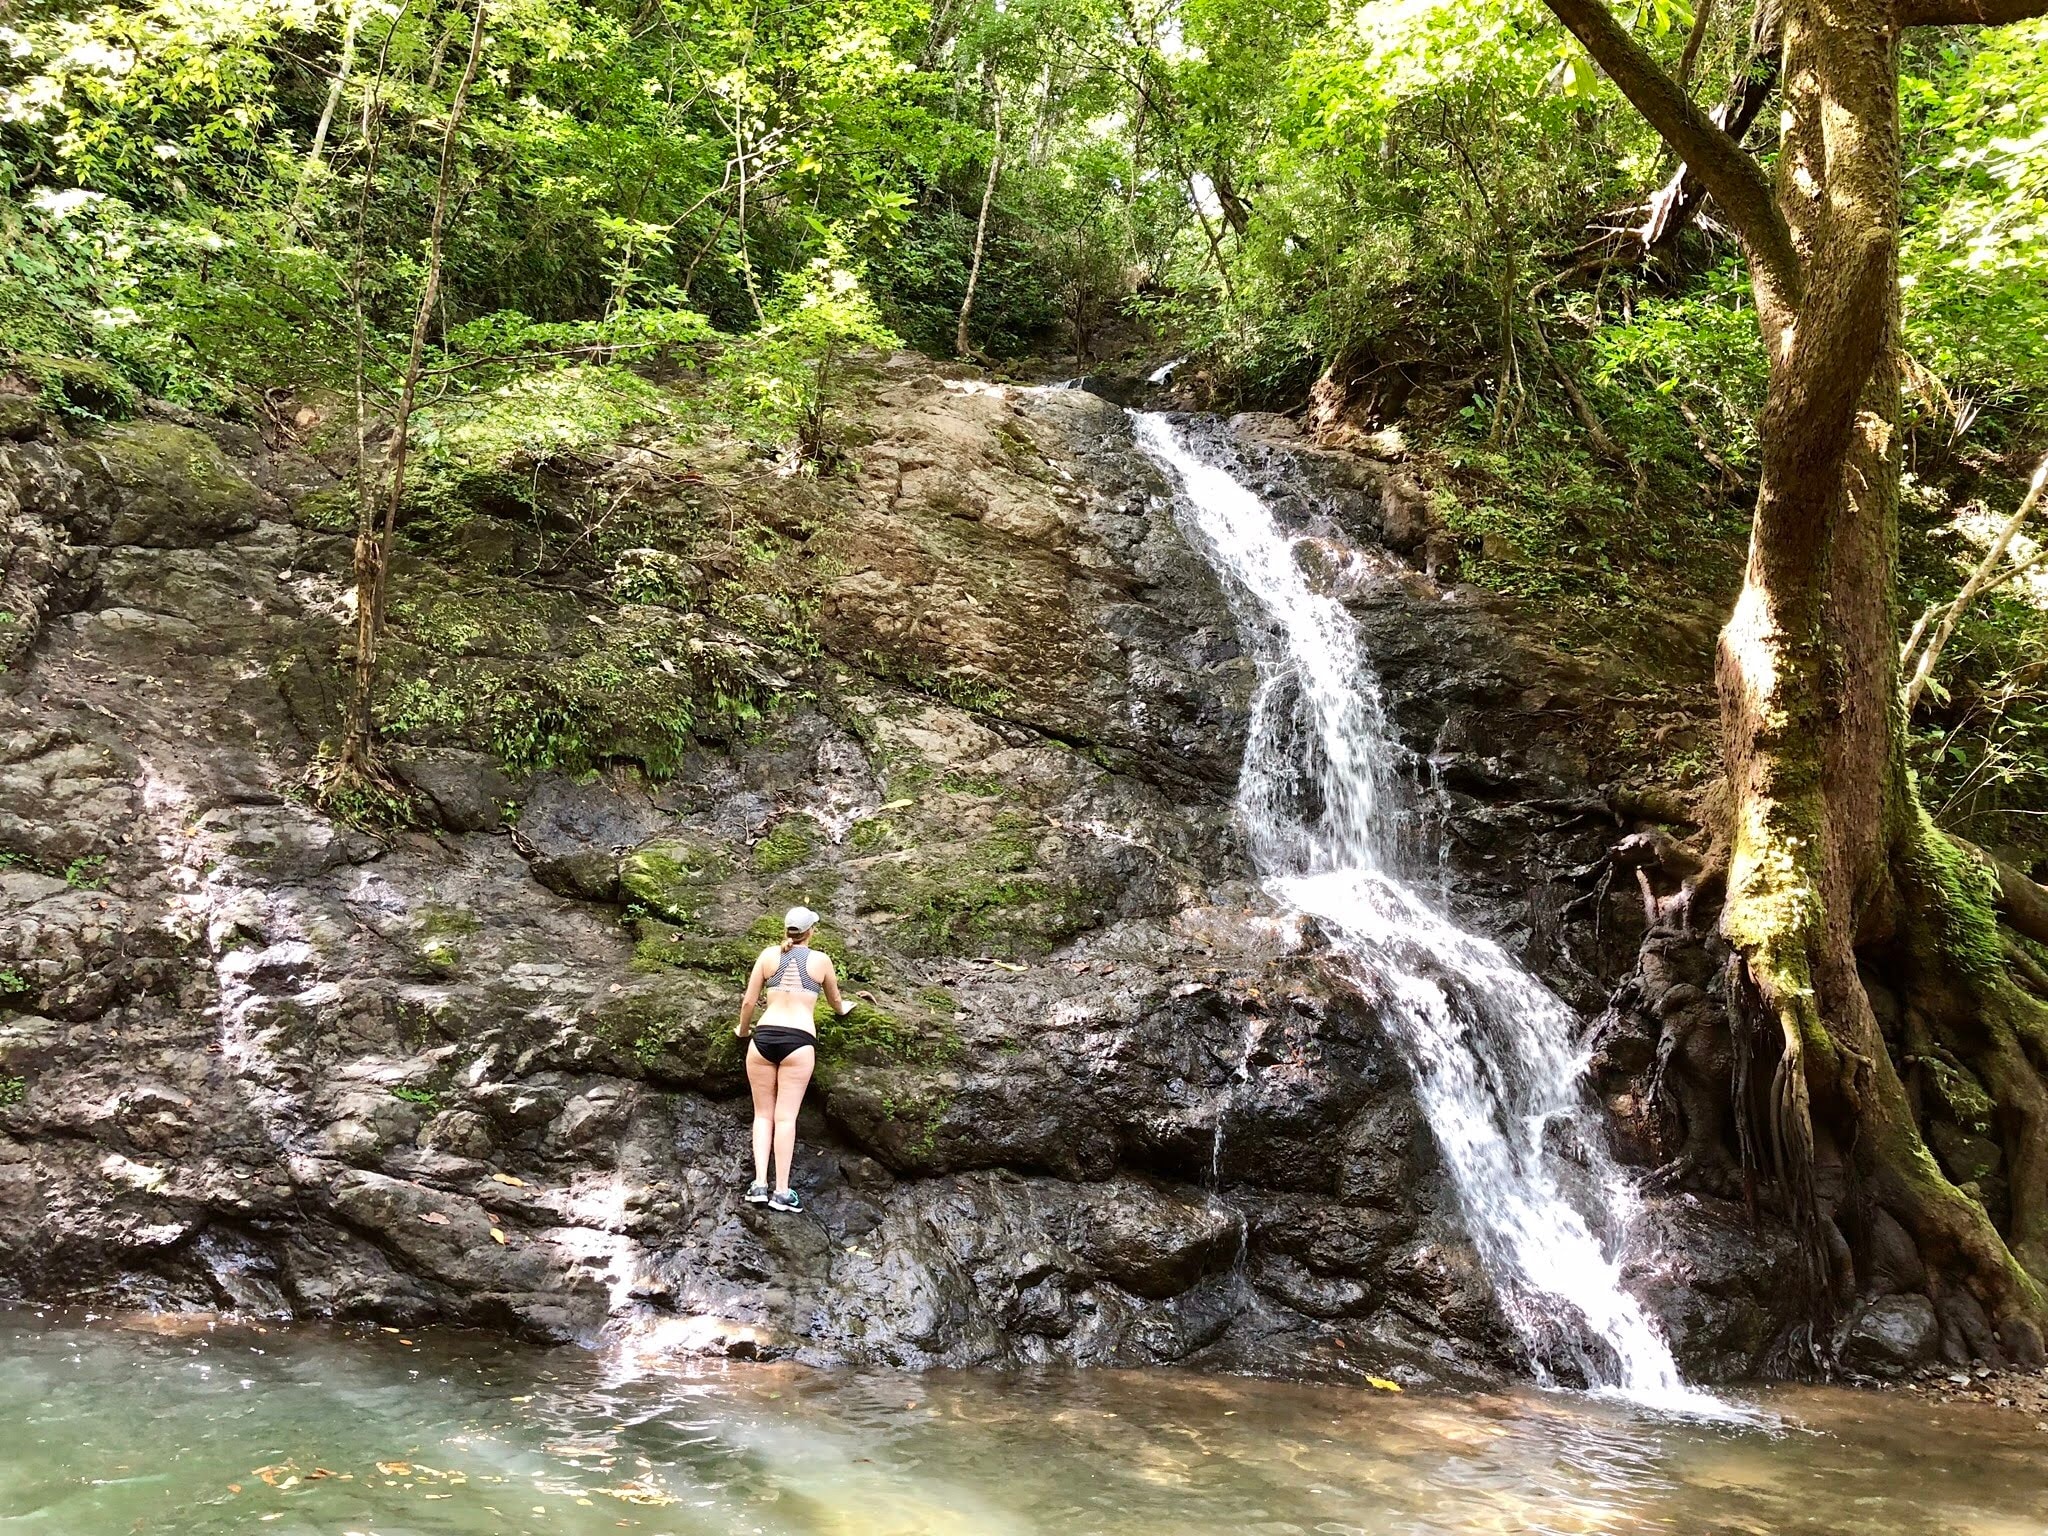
(784,1048)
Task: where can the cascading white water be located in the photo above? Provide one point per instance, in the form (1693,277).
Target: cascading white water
(1496,1072)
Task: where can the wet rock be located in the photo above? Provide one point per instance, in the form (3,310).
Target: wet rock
(1104,1105)
(574,831)
(1891,1335)
(469,791)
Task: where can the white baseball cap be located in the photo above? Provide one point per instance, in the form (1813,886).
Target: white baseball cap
(799,919)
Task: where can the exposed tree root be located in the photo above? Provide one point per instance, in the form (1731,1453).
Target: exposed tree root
(1844,1137)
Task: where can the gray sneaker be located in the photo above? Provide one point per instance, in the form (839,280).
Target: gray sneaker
(757,1194)
(785,1200)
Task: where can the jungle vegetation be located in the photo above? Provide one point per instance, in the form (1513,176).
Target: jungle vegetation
(1626,279)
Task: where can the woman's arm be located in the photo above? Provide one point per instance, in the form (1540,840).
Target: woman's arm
(830,982)
(752,1000)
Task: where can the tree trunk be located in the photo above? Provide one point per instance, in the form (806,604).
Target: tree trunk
(1830,854)
(1836,877)
(962,345)
(356,768)
(335,88)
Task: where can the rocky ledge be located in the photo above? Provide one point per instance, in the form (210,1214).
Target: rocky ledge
(974,699)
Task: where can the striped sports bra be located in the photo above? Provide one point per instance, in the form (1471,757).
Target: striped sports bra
(795,971)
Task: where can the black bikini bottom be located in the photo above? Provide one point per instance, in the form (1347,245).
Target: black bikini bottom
(775,1041)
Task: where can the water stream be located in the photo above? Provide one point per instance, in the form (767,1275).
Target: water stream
(1492,1050)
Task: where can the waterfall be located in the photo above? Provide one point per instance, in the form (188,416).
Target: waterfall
(1491,1049)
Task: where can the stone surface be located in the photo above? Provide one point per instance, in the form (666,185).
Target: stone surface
(1100,1103)
(1891,1335)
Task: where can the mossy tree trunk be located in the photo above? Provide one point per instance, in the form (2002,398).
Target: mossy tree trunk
(1835,875)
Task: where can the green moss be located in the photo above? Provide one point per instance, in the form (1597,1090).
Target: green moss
(961,782)
(440,958)
(437,920)
(788,844)
(639,687)
(1959,892)
(502,620)
(679,1033)
(922,1111)
(673,877)
(88,873)
(979,899)
(76,386)
(1963,1099)
(327,511)
(662,947)
(485,449)
(873,1035)
(179,465)
(939,1000)
(873,834)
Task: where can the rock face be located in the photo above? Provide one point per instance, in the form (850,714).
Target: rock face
(1100,1103)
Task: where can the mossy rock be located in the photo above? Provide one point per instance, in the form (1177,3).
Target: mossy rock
(980,897)
(872,1035)
(897,1114)
(77,386)
(644,686)
(22,418)
(664,947)
(677,1030)
(789,843)
(675,877)
(170,486)
(331,509)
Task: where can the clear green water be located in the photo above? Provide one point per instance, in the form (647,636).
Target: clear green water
(123,1426)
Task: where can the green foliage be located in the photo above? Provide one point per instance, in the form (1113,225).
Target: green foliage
(12,1091)
(13,983)
(781,381)
(425,1098)
(1977,230)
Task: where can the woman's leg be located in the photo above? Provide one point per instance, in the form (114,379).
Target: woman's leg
(761,1078)
(792,1077)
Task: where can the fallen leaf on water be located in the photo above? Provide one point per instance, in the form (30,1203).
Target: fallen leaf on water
(317,1473)
(506,1178)
(433,1218)
(497,1236)
(274,1474)
(1383,1384)
(234,1487)
(395,1468)
(636,1493)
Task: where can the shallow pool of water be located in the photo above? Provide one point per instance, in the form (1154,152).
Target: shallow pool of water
(185,1428)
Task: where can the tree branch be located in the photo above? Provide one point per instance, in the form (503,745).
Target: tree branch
(1980,578)
(1965,13)
(1736,181)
